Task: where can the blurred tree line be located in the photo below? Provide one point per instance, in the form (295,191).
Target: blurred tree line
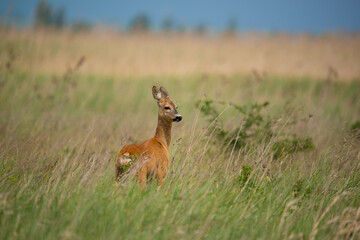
(141,23)
(48,16)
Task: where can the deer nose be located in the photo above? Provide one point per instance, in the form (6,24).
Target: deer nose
(178,118)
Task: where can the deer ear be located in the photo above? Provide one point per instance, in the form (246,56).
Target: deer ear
(156,93)
(164,92)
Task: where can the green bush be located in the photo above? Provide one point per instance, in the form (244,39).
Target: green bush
(300,188)
(243,178)
(292,145)
(254,125)
(255,128)
(355,126)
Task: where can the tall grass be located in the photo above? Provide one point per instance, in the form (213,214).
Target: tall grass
(58,142)
(60,132)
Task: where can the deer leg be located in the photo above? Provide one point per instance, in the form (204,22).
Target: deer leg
(161,174)
(161,180)
(142,177)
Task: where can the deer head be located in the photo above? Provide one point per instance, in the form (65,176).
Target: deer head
(167,108)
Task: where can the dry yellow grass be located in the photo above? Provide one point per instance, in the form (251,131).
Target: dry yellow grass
(115,54)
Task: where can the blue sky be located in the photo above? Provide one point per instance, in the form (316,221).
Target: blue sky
(314,16)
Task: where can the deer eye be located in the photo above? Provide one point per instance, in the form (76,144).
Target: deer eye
(167,108)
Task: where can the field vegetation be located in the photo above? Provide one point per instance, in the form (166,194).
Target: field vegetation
(268,147)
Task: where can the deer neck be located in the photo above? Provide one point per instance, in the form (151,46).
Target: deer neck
(163,131)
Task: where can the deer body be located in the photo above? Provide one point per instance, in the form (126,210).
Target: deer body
(153,154)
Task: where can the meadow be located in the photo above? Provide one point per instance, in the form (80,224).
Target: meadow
(268,147)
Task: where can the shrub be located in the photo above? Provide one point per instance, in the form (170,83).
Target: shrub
(255,128)
(244,175)
(254,124)
(292,145)
(301,189)
(355,128)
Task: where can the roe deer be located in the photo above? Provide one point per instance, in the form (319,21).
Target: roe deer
(153,154)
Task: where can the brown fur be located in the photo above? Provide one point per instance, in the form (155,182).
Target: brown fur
(153,154)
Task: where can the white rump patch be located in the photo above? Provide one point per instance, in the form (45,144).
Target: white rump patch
(125,159)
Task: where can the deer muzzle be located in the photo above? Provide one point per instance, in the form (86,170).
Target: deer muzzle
(177,118)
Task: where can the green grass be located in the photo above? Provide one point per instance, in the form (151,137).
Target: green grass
(58,142)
